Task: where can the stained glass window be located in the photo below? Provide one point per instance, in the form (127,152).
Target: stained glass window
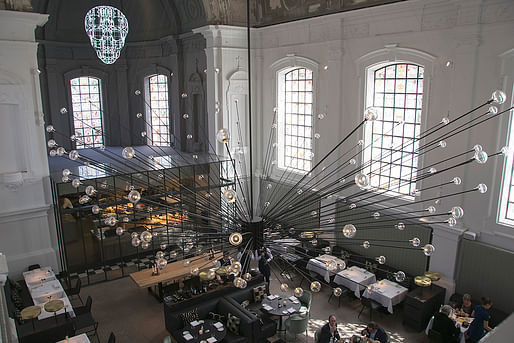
(87,112)
(391,157)
(157,116)
(297,111)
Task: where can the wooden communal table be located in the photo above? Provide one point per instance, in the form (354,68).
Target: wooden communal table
(173,272)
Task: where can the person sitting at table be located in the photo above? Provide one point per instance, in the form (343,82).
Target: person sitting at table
(225,261)
(329,333)
(245,256)
(467,307)
(375,332)
(445,326)
(264,258)
(480,325)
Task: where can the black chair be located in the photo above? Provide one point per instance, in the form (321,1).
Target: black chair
(34,266)
(75,290)
(337,250)
(112,338)
(371,304)
(84,319)
(345,292)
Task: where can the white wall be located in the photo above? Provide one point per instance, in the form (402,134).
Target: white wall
(471,34)
(27,229)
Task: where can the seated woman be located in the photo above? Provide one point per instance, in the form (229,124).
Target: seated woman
(445,326)
(467,307)
(480,325)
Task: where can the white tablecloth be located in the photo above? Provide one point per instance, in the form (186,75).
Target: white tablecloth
(355,279)
(462,336)
(387,293)
(82,338)
(43,286)
(284,245)
(324,265)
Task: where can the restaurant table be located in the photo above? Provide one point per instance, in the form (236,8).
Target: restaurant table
(387,293)
(355,279)
(323,265)
(210,334)
(461,320)
(82,338)
(44,287)
(284,245)
(281,305)
(173,272)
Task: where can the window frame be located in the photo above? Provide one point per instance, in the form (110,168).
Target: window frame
(101,109)
(148,109)
(368,135)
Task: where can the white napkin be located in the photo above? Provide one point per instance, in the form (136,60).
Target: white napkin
(211,340)
(267,307)
(188,337)
(291,310)
(194,323)
(218,325)
(292,298)
(272,297)
(285,312)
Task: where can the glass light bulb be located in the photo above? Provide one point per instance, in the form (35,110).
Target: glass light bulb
(445,121)
(145,245)
(235,238)
(360,142)
(111,221)
(314,213)
(298,292)
(52,152)
(66,172)
(95,209)
(128,153)
(84,199)
(499,96)
(431,209)
(65,179)
(146,236)
(432,170)
(76,183)
(137,92)
(185,116)
(143,133)
(266,204)
(361,180)
(73,155)
(292,230)
(135,241)
(269,186)
(321,116)
(337,292)
(60,151)
(400,226)
(376,215)
(482,188)
(428,249)
(139,115)
(173,255)
(229,195)
(381,259)
(51,143)
(505,150)
(457,212)
(183,95)
(371,114)
(162,263)
(134,235)
(399,276)
(415,242)
(317,135)
(195,156)
(50,128)
(299,191)
(349,230)
(134,196)
(457,180)
(284,287)
(189,136)
(452,222)
(365,244)
(477,148)
(119,231)
(481,157)
(352,206)
(223,136)
(442,144)
(352,161)
(493,109)
(315,286)
(90,190)
(63,110)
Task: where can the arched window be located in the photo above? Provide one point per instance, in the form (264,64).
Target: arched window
(157,110)
(86,102)
(295,112)
(390,156)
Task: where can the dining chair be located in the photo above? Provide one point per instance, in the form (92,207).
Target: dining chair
(345,291)
(305,301)
(297,324)
(75,291)
(317,333)
(84,319)
(112,338)
(371,304)
(33,266)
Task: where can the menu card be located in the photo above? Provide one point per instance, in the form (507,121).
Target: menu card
(188,337)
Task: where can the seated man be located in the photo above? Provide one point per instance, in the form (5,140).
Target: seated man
(467,307)
(225,261)
(329,333)
(375,332)
(445,326)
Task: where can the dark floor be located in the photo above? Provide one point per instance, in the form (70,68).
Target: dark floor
(135,316)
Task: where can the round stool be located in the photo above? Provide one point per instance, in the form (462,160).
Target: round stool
(54,306)
(31,312)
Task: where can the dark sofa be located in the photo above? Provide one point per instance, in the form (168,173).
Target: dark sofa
(254,327)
